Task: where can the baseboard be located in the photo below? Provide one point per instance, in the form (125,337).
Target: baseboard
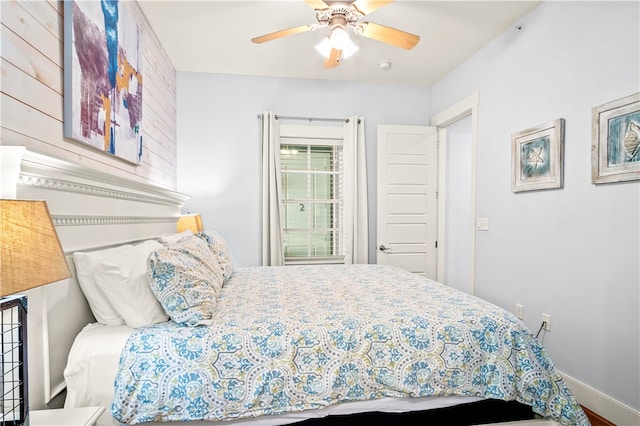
(602,404)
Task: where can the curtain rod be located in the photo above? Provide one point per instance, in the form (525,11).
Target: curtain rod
(309,119)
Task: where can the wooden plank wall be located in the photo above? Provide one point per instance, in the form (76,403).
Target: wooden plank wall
(31,93)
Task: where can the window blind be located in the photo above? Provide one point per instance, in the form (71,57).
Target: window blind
(312,200)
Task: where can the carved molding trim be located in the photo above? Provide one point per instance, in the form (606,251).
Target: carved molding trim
(80,188)
(61,220)
(34,169)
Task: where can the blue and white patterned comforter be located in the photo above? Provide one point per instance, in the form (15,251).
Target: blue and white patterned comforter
(305,337)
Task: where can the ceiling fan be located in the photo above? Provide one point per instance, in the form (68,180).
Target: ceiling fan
(340,15)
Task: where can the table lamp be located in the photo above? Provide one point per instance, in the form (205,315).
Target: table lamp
(192,222)
(30,256)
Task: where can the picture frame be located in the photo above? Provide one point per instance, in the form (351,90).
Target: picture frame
(537,157)
(103,77)
(615,142)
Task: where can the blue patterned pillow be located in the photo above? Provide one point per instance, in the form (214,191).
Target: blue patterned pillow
(186,279)
(221,251)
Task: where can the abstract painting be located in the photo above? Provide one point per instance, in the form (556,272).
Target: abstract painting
(615,149)
(103,77)
(537,157)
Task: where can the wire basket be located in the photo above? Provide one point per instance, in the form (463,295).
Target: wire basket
(14,408)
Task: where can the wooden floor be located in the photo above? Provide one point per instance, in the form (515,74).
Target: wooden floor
(596,419)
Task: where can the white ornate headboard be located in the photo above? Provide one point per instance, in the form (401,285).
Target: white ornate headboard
(91,209)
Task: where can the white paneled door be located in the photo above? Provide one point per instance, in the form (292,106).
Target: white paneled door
(407,198)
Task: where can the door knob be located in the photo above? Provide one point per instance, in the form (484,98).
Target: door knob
(383,248)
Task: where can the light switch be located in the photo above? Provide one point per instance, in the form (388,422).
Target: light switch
(483,224)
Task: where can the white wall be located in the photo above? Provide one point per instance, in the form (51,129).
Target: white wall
(572,253)
(458,243)
(219,133)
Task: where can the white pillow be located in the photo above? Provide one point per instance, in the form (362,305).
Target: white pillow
(85,263)
(122,276)
(170,239)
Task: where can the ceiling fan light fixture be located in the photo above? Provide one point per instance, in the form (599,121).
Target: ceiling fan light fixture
(324,47)
(339,40)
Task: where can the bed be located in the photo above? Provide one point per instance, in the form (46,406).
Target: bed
(79,349)
(276,345)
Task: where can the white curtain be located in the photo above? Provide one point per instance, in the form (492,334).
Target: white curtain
(272,246)
(355,187)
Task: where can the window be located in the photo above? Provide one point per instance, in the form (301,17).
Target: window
(312,200)
(314,191)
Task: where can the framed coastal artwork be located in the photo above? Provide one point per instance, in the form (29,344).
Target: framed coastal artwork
(537,157)
(103,76)
(615,141)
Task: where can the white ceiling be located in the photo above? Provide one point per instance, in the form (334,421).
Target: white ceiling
(215,37)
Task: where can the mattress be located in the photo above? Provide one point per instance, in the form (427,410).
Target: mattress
(299,340)
(92,365)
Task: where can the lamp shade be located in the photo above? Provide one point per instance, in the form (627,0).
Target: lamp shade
(30,251)
(192,222)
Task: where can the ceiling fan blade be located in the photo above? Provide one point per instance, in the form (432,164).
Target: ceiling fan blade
(388,35)
(334,59)
(317,4)
(281,33)
(368,6)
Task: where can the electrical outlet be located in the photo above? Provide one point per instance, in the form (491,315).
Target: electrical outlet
(483,224)
(519,309)
(546,318)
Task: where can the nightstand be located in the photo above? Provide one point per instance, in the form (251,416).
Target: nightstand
(84,416)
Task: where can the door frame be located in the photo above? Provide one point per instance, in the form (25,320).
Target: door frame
(462,109)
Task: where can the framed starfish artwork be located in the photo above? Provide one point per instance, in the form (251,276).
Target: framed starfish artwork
(615,145)
(537,157)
